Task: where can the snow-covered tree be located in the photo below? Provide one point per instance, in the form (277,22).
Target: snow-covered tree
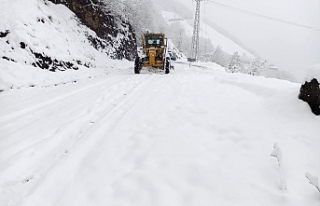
(143,17)
(256,67)
(177,33)
(205,46)
(141,14)
(235,65)
(220,57)
(115,7)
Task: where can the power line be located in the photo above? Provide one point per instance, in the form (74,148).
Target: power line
(263,16)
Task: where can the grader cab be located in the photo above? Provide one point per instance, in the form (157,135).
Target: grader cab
(155,54)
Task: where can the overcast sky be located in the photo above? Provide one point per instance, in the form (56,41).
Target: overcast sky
(290,47)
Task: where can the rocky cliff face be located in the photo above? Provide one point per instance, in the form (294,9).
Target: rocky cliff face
(114,32)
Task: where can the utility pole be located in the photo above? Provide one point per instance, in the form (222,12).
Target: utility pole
(195,36)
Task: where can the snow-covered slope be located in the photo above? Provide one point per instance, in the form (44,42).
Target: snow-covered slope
(39,35)
(206,31)
(198,137)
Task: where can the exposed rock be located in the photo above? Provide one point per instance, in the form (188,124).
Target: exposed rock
(8,59)
(23,45)
(4,34)
(47,63)
(310,93)
(117,33)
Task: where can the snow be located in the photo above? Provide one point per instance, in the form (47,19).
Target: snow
(52,30)
(312,72)
(206,31)
(313,180)
(104,136)
(198,136)
(15,75)
(277,153)
(59,34)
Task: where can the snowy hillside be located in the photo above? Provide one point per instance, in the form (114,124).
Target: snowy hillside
(41,38)
(198,136)
(206,31)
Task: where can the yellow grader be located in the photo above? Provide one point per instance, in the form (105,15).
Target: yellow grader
(155,54)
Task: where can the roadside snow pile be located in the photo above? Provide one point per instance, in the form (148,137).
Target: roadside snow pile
(16,76)
(37,34)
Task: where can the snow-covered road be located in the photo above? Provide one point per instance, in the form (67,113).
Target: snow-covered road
(198,136)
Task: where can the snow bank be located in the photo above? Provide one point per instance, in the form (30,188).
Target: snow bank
(16,76)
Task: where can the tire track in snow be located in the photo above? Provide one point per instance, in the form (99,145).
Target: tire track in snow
(93,135)
(43,105)
(94,113)
(75,109)
(65,124)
